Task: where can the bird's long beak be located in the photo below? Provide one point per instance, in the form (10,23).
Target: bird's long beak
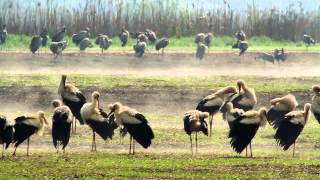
(239,88)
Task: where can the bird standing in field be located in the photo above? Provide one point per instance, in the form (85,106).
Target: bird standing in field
(97,120)
(45,36)
(3,34)
(280,55)
(308,40)
(244,128)
(279,108)
(73,98)
(35,44)
(163,43)
(57,48)
(6,133)
(104,42)
(241,36)
(242,46)
(151,35)
(140,48)
(85,43)
(291,127)
(201,50)
(124,37)
(136,124)
(77,38)
(212,103)
(142,38)
(26,126)
(60,35)
(61,125)
(208,39)
(315,108)
(199,38)
(194,121)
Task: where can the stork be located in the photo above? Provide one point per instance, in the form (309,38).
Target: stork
(124,37)
(136,124)
(26,126)
(315,107)
(60,35)
(97,120)
(35,44)
(163,43)
(6,133)
(212,103)
(194,121)
(291,127)
(77,38)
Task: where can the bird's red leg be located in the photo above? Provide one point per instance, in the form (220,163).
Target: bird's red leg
(196,142)
(133,146)
(92,141)
(28,146)
(130,144)
(294,148)
(95,144)
(2,150)
(210,124)
(191,144)
(14,152)
(250,150)
(75,125)
(246,151)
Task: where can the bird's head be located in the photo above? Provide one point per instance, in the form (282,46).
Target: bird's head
(63,77)
(241,84)
(95,95)
(316,89)
(229,106)
(56,103)
(115,106)
(42,117)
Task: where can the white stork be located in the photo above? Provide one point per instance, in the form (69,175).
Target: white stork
(135,123)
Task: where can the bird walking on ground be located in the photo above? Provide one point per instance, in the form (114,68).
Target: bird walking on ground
(245,127)
(162,44)
(280,55)
(73,98)
(308,40)
(61,125)
(140,48)
(212,103)
(124,37)
(291,127)
(35,44)
(242,46)
(57,48)
(26,126)
(60,35)
(104,42)
(97,120)
(84,44)
(6,133)
(77,38)
(136,124)
(194,121)
(315,107)
(279,108)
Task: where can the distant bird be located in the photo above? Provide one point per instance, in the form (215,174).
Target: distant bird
(61,125)
(241,36)
(3,34)
(72,97)
(194,121)
(265,57)
(208,39)
(199,38)
(6,133)
(315,108)
(242,46)
(279,108)
(212,103)
(280,55)
(291,127)
(308,40)
(57,48)
(201,50)
(136,124)
(85,43)
(60,35)
(124,37)
(45,36)
(104,42)
(97,120)
(77,38)
(134,35)
(140,48)
(35,44)
(245,127)
(163,43)
(151,35)
(26,126)
(142,38)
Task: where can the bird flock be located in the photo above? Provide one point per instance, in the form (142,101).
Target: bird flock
(82,40)
(237,106)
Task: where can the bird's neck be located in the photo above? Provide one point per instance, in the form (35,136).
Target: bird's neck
(61,86)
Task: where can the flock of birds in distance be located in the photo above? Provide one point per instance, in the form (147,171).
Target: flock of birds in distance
(237,105)
(81,39)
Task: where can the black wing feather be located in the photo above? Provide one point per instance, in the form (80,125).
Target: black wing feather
(274,117)
(60,129)
(75,107)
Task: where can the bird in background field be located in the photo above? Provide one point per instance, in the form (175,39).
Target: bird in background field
(151,35)
(199,38)
(6,133)
(104,42)
(140,48)
(194,121)
(280,55)
(308,40)
(315,107)
(61,124)
(45,36)
(73,98)
(136,124)
(142,38)
(134,35)
(35,44)
(201,50)
(212,103)
(3,34)
(97,120)
(244,128)
(242,46)
(208,39)
(26,126)
(291,127)
(60,35)
(57,48)
(85,43)
(124,37)
(240,35)
(279,108)
(77,38)
(162,44)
